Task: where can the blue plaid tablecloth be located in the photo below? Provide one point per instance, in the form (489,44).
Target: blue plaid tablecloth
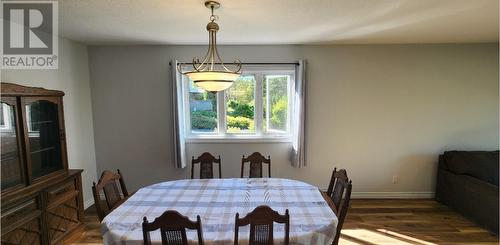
(217,201)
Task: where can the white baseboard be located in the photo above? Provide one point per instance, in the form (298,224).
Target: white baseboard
(392,195)
(88,203)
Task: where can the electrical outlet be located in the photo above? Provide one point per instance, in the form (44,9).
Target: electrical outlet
(395,179)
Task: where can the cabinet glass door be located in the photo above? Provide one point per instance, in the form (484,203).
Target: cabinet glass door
(10,158)
(42,122)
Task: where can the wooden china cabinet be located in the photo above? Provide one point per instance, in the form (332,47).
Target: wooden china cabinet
(41,198)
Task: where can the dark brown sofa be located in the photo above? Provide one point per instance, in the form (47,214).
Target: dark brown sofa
(467,182)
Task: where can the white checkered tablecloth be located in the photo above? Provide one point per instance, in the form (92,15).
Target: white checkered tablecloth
(217,201)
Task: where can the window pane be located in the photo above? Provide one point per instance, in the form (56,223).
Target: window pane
(10,159)
(275,103)
(42,119)
(203,110)
(241,105)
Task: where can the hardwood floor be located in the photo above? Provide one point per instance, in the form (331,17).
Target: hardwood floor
(391,222)
(425,222)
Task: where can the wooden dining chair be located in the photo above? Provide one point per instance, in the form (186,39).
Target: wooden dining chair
(337,186)
(256,160)
(172,227)
(343,208)
(206,161)
(110,183)
(261,221)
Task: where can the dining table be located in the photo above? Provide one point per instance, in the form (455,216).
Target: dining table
(217,201)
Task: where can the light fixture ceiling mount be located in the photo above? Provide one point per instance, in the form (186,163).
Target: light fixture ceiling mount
(212,4)
(211,74)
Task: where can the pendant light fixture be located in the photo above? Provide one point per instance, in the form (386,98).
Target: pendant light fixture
(211,74)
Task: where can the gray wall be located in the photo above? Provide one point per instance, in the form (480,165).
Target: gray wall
(72,77)
(376,110)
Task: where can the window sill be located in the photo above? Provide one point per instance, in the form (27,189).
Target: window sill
(237,139)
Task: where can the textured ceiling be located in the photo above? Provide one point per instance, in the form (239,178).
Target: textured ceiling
(280,21)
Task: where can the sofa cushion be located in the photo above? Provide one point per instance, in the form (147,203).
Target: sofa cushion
(479,164)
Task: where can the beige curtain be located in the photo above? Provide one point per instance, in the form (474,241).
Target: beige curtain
(178,110)
(298,156)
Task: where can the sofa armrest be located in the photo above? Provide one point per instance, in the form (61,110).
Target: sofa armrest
(470,196)
(441,164)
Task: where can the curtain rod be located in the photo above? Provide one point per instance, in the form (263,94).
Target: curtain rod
(250,63)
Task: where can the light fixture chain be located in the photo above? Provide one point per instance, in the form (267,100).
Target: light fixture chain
(213,50)
(213,17)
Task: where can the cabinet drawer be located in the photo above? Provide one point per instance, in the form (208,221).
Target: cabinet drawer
(60,191)
(18,211)
(29,233)
(62,217)
(21,224)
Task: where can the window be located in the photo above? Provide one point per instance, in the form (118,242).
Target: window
(257,106)
(240,106)
(276,103)
(203,110)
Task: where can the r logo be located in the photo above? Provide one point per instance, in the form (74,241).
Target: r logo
(28,28)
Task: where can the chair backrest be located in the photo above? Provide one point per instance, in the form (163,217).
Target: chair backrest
(256,160)
(338,183)
(261,221)
(344,207)
(108,183)
(172,227)
(206,161)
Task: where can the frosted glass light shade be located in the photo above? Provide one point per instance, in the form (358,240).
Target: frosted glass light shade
(214,86)
(213,80)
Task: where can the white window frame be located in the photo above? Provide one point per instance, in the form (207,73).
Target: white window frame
(259,72)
